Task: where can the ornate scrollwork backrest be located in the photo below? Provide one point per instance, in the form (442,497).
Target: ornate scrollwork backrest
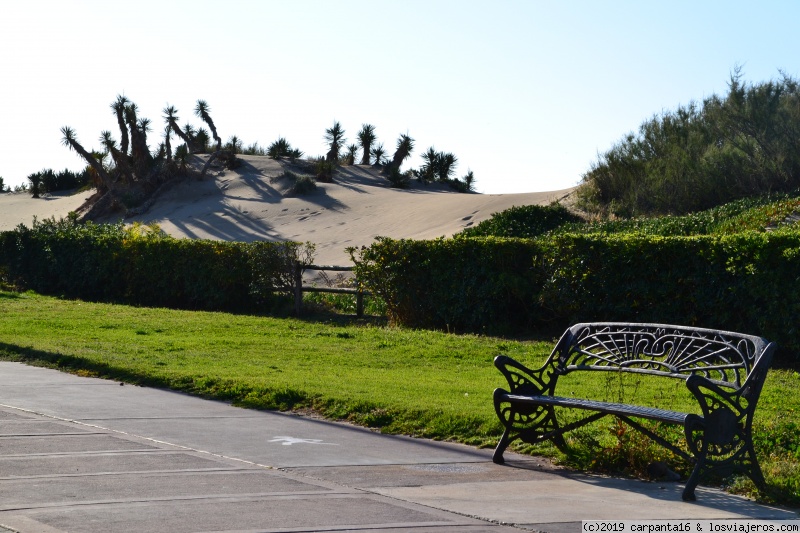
(723,357)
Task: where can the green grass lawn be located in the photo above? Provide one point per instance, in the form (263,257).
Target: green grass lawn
(415,382)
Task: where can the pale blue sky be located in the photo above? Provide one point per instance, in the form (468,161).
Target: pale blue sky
(524,93)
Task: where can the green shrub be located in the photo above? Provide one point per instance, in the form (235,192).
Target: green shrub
(524,221)
(702,155)
(111,263)
(745,282)
(454,284)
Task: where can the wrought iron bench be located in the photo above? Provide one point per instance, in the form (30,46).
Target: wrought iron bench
(724,371)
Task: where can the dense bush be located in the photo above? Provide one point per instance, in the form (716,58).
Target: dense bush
(142,266)
(455,284)
(524,222)
(746,282)
(49,181)
(747,214)
(702,155)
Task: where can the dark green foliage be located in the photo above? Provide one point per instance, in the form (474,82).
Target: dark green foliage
(349,157)
(379,154)
(699,156)
(399,180)
(50,181)
(746,282)
(455,284)
(335,138)
(523,221)
(747,214)
(303,185)
(324,170)
(281,148)
(142,266)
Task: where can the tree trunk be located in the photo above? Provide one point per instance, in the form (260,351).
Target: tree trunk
(94,163)
(365,155)
(179,132)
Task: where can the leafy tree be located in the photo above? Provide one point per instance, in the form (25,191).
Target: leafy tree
(703,154)
(366,136)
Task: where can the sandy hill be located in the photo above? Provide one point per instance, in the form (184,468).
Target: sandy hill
(253,202)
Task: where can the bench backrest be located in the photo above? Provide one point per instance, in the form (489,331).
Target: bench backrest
(675,351)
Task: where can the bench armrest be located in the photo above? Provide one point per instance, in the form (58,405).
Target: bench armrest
(523,380)
(712,397)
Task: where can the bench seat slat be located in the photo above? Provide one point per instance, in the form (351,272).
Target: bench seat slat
(652,413)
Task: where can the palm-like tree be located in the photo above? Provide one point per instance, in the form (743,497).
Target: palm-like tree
(350,157)
(469,181)
(446,167)
(405,145)
(119,110)
(167,143)
(171,116)
(379,154)
(201,110)
(430,165)
(366,136)
(71,142)
(334,136)
(120,159)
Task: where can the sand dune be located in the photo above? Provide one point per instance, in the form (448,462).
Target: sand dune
(252,203)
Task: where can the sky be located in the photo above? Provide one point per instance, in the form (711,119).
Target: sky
(527,94)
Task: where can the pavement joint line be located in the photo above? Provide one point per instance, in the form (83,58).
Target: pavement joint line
(149,439)
(220,498)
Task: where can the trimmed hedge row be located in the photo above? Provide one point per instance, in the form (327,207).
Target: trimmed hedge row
(113,264)
(748,282)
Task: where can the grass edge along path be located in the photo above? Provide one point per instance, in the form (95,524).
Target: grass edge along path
(420,383)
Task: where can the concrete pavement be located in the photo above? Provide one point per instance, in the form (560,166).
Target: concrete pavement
(89,455)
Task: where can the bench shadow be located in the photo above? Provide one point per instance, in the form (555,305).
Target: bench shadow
(709,498)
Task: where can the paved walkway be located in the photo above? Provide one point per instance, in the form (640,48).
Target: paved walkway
(88,455)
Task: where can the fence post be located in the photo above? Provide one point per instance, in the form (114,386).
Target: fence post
(298,288)
(360,303)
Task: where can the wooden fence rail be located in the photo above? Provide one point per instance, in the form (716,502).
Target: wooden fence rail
(299,288)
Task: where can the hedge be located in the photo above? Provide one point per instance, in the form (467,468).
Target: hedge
(748,282)
(114,264)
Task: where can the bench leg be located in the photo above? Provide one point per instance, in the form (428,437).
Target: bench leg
(497,458)
(688,491)
(754,470)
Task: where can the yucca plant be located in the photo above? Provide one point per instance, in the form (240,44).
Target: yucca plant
(366,136)
(281,148)
(171,116)
(119,158)
(350,156)
(335,138)
(201,110)
(379,154)
(430,166)
(405,145)
(119,110)
(68,139)
(469,181)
